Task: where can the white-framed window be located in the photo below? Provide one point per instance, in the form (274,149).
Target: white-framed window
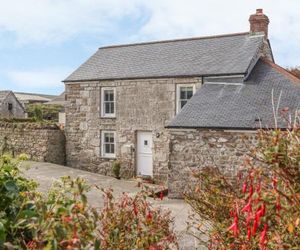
(184,93)
(108,102)
(108,144)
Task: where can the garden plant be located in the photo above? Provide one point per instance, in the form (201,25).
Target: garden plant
(259,208)
(63,219)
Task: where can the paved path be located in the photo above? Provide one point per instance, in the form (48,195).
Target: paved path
(46,173)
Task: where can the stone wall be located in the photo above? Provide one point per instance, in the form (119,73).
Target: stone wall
(192,149)
(142,105)
(45,143)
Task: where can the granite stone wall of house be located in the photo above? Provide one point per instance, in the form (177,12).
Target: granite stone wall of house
(192,149)
(141,105)
(45,143)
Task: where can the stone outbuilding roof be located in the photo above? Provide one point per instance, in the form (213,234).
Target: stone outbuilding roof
(59,100)
(33,97)
(246,105)
(4,94)
(214,55)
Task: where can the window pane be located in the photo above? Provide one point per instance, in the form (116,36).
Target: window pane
(112,148)
(111,138)
(182,103)
(106,138)
(111,96)
(182,93)
(107,148)
(112,107)
(106,107)
(108,95)
(189,93)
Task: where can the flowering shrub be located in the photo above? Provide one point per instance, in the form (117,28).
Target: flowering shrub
(12,207)
(131,223)
(260,207)
(62,219)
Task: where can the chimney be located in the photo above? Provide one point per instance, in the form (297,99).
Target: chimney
(259,23)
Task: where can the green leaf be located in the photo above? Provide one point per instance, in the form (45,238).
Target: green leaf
(97,245)
(11,186)
(27,214)
(2,233)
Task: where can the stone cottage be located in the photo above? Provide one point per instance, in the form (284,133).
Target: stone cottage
(10,107)
(162,108)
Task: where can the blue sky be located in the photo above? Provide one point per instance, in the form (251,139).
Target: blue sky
(43,41)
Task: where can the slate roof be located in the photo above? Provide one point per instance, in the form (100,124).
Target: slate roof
(229,106)
(59,100)
(4,94)
(216,55)
(34,97)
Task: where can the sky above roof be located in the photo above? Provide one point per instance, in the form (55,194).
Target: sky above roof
(43,41)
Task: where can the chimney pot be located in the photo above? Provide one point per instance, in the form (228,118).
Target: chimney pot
(259,22)
(259,11)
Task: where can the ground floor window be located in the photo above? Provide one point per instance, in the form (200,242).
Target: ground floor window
(108,144)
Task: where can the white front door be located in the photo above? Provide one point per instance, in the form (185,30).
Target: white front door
(144,153)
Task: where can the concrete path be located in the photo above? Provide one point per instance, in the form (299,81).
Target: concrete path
(46,173)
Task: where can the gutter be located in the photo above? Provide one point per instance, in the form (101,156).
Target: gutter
(152,77)
(221,128)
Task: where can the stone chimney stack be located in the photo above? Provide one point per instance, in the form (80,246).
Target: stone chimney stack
(259,23)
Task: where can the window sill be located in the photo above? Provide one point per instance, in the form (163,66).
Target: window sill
(108,117)
(109,157)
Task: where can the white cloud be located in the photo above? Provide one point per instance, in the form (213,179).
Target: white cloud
(48,21)
(177,18)
(39,79)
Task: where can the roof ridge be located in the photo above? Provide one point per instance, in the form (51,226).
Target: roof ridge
(6,92)
(176,40)
(281,70)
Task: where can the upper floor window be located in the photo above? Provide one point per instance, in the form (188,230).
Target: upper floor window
(108,102)
(184,93)
(108,144)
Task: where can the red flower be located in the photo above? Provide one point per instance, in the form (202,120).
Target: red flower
(274,182)
(161,195)
(248,219)
(153,247)
(149,216)
(278,205)
(234,227)
(244,187)
(249,233)
(263,236)
(260,212)
(255,225)
(250,190)
(67,219)
(248,207)
(135,209)
(31,244)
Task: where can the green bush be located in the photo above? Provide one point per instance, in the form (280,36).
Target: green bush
(14,202)
(62,218)
(116,168)
(43,112)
